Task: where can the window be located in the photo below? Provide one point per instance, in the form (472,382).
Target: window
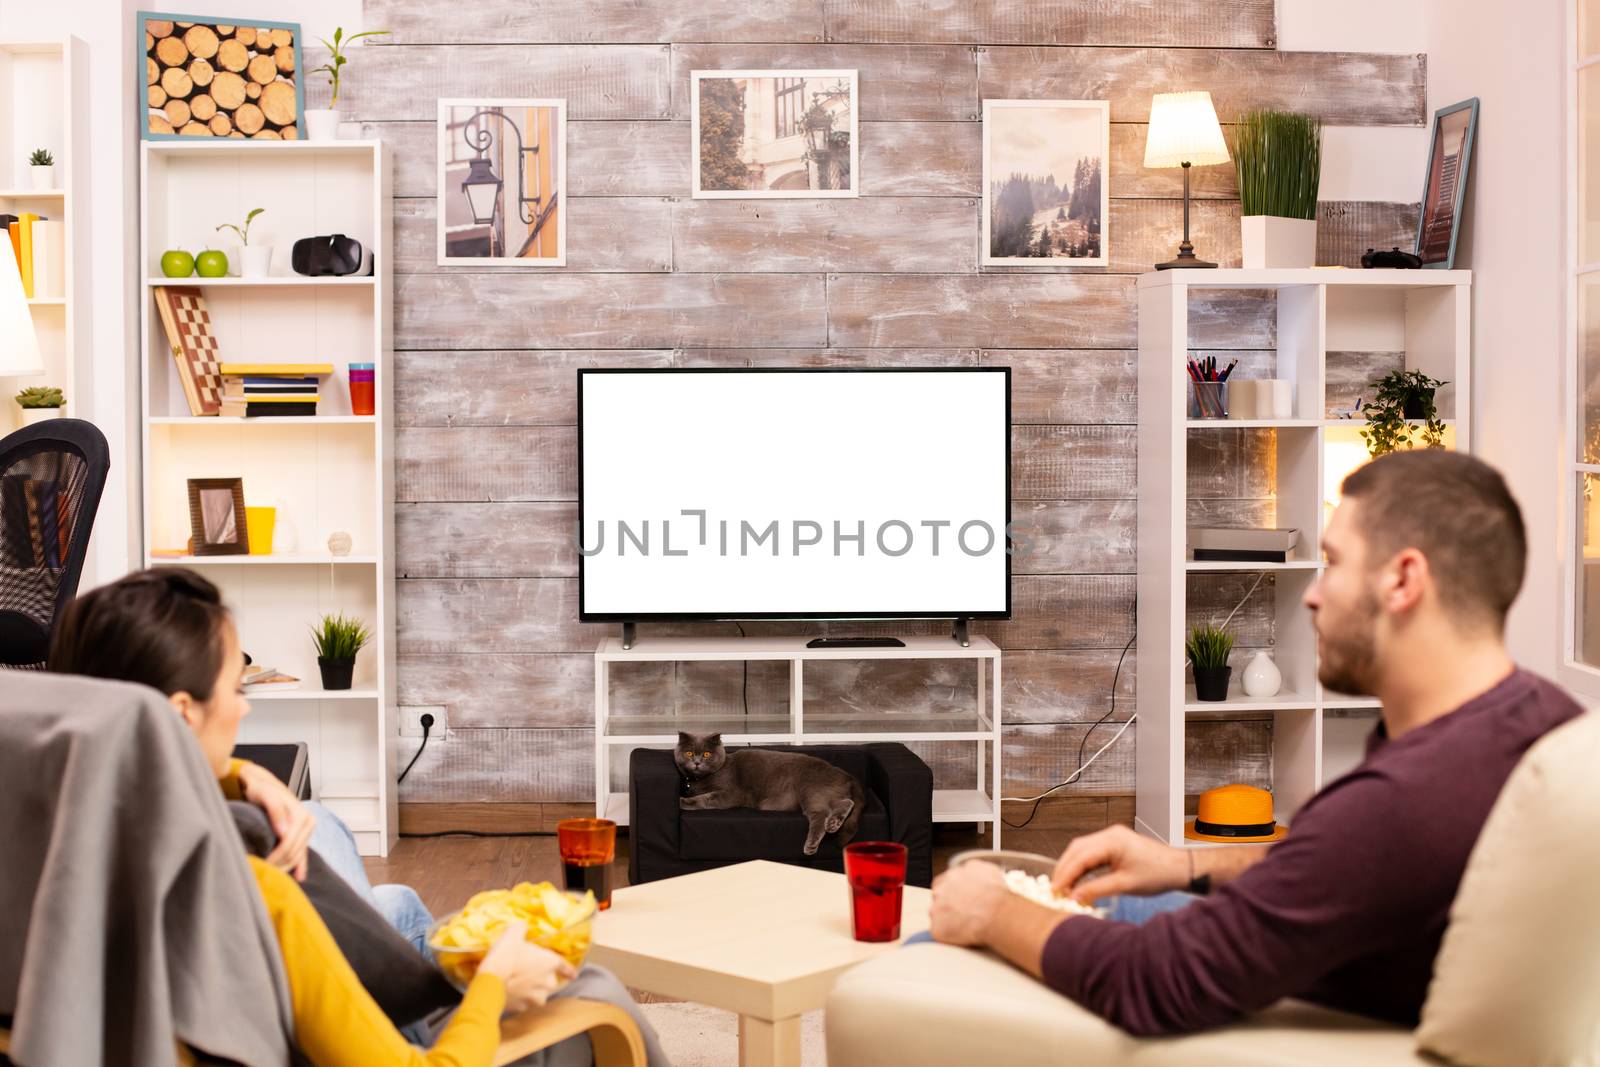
(1581,658)
(791,105)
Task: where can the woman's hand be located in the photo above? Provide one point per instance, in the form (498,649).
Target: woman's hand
(289,818)
(530,973)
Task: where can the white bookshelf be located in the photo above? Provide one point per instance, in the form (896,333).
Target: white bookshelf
(331,472)
(44,102)
(617,734)
(1424,314)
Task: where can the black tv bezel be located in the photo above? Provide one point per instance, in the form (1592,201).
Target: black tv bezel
(782,616)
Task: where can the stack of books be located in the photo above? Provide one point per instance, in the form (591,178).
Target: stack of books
(255,389)
(268,680)
(39,246)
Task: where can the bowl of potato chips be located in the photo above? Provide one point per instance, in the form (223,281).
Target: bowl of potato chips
(557,920)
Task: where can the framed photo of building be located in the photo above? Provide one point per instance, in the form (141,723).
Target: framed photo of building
(774,133)
(1045,196)
(1445,186)
(502,182)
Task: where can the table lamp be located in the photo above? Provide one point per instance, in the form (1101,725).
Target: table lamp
(1184,133)
(19,346)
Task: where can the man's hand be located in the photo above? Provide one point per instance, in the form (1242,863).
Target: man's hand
(1138,865)
(965,900)
(289,818)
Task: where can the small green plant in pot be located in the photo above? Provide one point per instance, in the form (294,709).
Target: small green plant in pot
(1399,398)
(1207,650)
(322,123)
(257,257)
(1278,158)
(40,402)
(338,638)
(42,168)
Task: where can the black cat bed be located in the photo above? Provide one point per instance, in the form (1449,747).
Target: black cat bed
(665,841)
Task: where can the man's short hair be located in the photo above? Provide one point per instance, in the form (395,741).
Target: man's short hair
(1457,511)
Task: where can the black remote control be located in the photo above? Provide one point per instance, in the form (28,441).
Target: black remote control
(855,642)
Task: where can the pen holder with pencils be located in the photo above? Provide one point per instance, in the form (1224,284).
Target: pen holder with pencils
(1208,400)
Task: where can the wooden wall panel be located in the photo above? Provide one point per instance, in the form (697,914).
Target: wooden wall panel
(485,357)
(1350,376)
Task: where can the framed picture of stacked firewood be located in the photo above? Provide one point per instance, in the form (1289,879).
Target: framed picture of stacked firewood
(219,77)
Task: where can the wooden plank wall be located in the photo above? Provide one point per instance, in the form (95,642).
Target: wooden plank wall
(486,474)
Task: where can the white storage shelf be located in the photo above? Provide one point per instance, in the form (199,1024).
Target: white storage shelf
(616,735)
(331,472)
(1423,314)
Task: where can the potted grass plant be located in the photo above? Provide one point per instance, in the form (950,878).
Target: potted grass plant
(1401,400)
(1278,155)
(40,402)
(322,123)
(338,638)
(1207,650)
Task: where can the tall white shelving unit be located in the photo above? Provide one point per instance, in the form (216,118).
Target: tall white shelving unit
(332,472)
(1426,314)
(43,104)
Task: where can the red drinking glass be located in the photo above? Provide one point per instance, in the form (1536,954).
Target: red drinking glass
(587,848)
(876,871)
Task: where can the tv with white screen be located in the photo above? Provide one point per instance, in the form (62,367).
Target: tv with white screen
(794,493)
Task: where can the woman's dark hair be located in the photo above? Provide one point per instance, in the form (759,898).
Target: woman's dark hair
(160,627)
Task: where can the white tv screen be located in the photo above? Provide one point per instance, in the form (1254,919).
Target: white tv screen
(794,493)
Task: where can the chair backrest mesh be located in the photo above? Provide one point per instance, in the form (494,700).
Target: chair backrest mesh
(41,499)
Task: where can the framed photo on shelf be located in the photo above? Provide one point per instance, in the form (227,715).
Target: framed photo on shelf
(1444,188)
(1045,196)
(768,134)
(219,77)
(216,517)
(502,182)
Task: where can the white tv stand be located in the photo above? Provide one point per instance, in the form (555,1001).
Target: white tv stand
(620,734)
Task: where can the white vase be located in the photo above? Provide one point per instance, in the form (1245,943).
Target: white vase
(322,124)
(257,260)
(1261,677)
(43,177)
(33,415)
(1270,241)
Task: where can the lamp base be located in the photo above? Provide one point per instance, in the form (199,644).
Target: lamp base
(1185,259)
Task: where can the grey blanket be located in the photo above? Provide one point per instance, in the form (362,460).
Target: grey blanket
(129,920)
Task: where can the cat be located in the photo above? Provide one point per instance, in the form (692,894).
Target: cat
(830,799)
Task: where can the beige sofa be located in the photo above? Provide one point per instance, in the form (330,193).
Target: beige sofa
(1517,982)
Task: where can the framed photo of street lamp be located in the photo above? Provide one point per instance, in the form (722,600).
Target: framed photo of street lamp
(502,183)
(1045,196)
(770,134)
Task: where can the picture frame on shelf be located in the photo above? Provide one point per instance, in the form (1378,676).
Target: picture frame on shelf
(1046,197)
(218,77)
(217,517)
(1444,184)
(775,134)
(502,182)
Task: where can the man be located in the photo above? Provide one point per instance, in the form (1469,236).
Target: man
(1424,557)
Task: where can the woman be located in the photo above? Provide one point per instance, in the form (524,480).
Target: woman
(168,629)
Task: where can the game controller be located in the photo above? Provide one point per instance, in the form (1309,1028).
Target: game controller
(1394,258)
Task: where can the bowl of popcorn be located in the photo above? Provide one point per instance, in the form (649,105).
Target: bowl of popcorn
(557,920)
(1027,874)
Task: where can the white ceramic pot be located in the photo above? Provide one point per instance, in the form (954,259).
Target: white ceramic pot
(257,260)
(1261,677)
(1270,241)
(43,177)
(33,415)
(322,124)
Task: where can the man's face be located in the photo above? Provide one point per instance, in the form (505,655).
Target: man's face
(1344,608)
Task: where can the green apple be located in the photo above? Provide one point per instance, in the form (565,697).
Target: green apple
(176,263)
(211,264)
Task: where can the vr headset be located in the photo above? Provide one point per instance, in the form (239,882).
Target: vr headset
(335,255)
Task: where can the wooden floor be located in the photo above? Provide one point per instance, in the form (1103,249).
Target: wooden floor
(445,871)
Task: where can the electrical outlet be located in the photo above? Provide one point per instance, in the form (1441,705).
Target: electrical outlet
(411,721)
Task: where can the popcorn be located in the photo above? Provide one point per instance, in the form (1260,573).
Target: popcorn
(1036,887)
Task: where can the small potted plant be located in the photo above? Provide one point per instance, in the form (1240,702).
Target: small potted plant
(42,168)
(322,123)
(1401,399)
(40,402)
(1278,156)
(257,259)
(1207,649)
(338,638)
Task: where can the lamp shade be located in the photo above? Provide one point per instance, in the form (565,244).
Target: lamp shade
(19,346)
(1184,129)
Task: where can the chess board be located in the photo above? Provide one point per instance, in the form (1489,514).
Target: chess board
(194,349)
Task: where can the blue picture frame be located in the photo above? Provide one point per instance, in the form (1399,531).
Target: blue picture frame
(1436,246)
(141,107)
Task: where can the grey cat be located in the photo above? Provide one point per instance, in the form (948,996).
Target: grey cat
(830,799)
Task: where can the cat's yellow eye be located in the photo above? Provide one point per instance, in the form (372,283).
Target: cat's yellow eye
(688,755)
(705,755)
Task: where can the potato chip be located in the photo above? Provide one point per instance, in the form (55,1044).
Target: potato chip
(556,920)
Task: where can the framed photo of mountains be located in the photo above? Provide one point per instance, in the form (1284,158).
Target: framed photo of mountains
(1045,195)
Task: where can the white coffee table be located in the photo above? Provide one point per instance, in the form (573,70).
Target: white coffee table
(763,940)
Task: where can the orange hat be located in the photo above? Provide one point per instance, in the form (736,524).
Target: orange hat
(1236,815)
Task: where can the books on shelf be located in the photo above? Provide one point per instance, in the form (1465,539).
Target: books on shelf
(268,679)
(39,245)
(299,370)
(1241,544)
(260,394)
